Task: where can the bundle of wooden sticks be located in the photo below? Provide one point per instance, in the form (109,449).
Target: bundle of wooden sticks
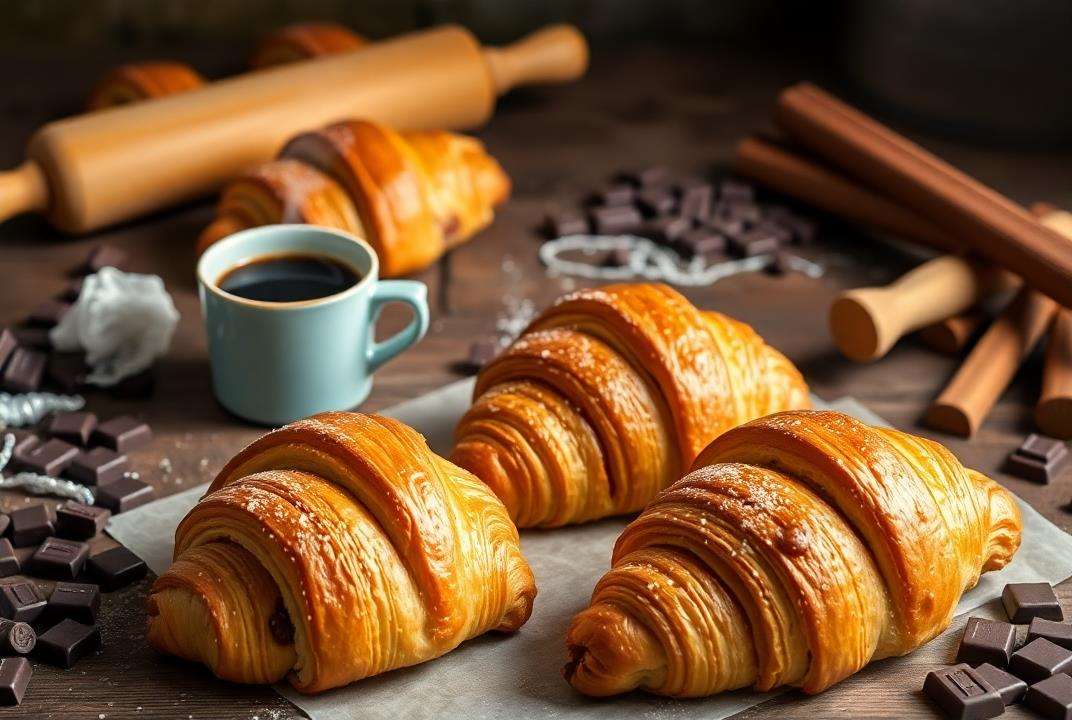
(850,165)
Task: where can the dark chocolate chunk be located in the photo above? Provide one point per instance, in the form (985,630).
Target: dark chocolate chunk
(59,559)
(24,441)
(1024,601)
(725,225)
(98,466)
(1040,659)
(754,242)
(15,673)
(1042,447)
(104,256)
(656,201)
(1051,698)
(49,458)
(9,561)
(696,199)
(565,223)
(76,521)
(16,638)
(619,194)
(77,601)
(30,525)
(1039,458)
(73,290)
(124,494)
(701,242)
(280,626)
(8,343)
(23,371)
(66,643)
(746,213)
(48,313)
(986,641)
(116,568)
(618,257)
(668,229)
(646,177)
(20,601)
(963,694)
(123,434)
(1010,687)
(67,370)
(481,353)
(735,191)
(74,427)
(33,337)
(1059,633)
(615,219)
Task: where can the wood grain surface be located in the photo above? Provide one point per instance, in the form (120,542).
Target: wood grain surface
(685,108)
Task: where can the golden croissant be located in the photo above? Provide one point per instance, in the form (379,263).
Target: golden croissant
(801,547)
(412,195)
(134,82)
(304,40)
(608,396)
(336,548)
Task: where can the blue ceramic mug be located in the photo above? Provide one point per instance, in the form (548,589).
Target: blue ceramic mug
(276,362)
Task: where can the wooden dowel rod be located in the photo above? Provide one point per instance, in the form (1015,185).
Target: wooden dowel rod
(1053,413)
(951,336)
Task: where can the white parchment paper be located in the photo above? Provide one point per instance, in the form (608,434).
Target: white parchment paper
(495,677)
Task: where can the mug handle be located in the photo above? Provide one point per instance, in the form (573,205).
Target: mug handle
(410,292)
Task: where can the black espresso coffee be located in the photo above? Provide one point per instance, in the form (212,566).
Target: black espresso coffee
(288,278)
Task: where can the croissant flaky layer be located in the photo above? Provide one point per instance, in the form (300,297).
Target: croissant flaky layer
(802,546)
(300,41)
(608,396)
(133,82)
(337,548)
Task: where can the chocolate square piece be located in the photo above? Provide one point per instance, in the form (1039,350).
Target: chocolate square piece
(1059,633)
(15,673)
(16,638)
(565,223)
(1051,698)
(725,225)
(74,427)
(1024,601)
(701,242)
(986,641)
(59,559)
(1010,687)
(48,313)
(963,694)
(67,370)
(104,256)
(98,466)
(123,434)
(8,343)
(24,441)
(618,194)
(615,220)
(124,494)
(33,337)
(23,371)
(735,191)
(49,458)
(656,201)
(77,601)
(30,525)
(754,242)
(1040,659)
(116,568)
(76,521)
(20,601)
(667,229)
(66,643)
(1039,458)
(696,200)
(9,561)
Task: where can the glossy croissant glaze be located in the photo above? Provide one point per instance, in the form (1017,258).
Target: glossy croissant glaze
(336,548)
(301,41)
(133,82)
(417,193)
(608,396)
(802,546)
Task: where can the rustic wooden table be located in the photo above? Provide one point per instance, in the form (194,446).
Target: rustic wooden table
(683,108)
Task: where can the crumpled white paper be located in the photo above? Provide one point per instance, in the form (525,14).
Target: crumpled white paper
(123,321)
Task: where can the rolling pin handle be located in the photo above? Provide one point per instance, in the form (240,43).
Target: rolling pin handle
(557,53)
(24,189)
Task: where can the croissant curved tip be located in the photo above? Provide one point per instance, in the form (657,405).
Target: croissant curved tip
(610,653)
(218,229)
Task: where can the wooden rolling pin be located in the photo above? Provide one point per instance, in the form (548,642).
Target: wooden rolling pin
(1053,413)
(89,171)
(866,322)
(990,224)
(992,363)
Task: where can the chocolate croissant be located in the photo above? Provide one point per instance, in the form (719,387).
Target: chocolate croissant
(134,82)
(801,547)
(336,548)
(301,41)
(608,396)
